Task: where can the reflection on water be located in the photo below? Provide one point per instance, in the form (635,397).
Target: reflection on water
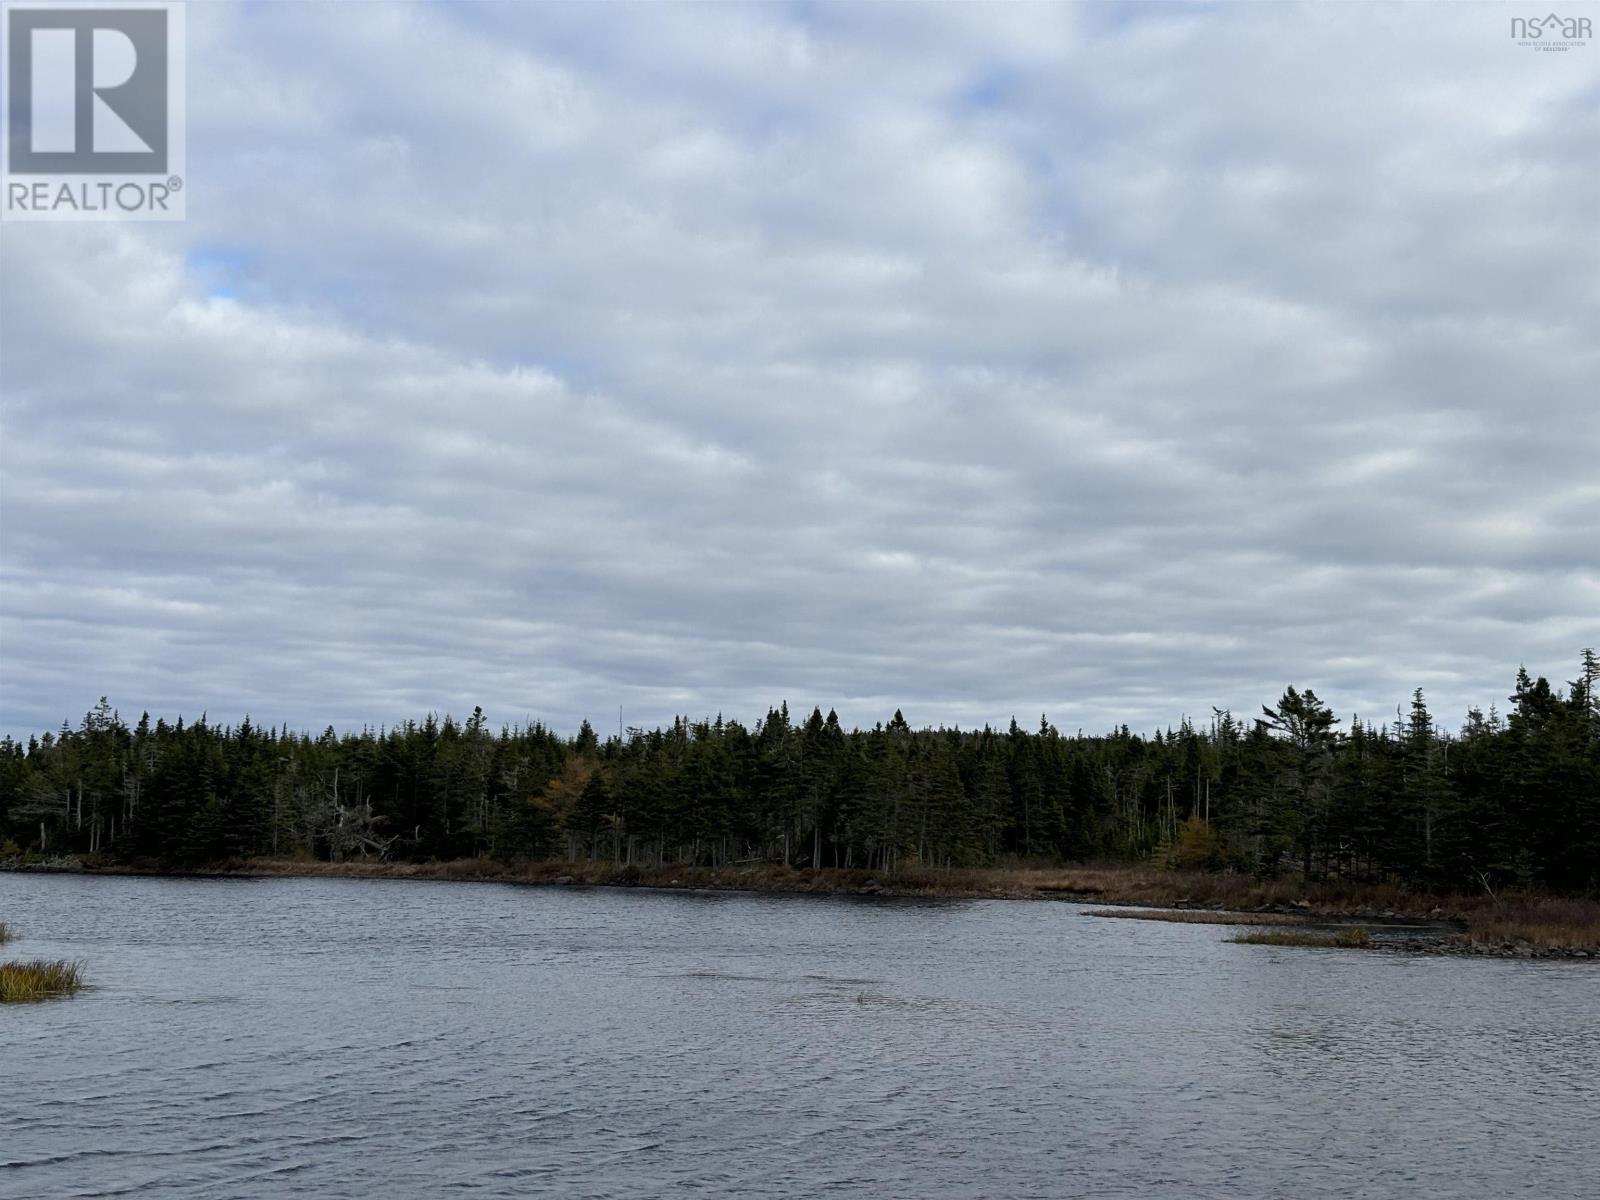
(351,1038)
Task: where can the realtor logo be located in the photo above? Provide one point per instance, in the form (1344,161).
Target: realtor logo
(94,112)
(1552,32)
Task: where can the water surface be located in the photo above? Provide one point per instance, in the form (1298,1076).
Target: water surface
(357,1038)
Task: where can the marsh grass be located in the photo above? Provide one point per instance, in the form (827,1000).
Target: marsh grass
(1189,916)
(1355,938)
(7,934)
(1549,923)
(1230,893)
(39,980)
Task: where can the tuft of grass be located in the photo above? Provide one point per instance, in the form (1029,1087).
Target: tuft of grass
(1189,916)
(39,980)
(7,934)
(1356,938)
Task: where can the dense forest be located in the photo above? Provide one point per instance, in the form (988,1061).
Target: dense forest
(1503,800)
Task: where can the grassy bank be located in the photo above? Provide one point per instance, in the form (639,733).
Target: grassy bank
(40,979)
(1545,923)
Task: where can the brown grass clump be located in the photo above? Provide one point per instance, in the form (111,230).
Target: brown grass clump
(1188,916)
(1345,939)
(7,934)
(1548,923)
(39,980)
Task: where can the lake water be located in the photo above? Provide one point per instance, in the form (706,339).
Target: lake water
(339,1038)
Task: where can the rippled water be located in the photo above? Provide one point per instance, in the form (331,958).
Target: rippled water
(375,1038)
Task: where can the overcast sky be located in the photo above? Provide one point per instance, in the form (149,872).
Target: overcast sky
(1104,362)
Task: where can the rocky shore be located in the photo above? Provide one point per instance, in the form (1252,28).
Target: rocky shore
(1459,946)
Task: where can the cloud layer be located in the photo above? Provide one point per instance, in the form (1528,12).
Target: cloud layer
(1109,362)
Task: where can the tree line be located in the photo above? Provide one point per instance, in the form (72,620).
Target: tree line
(1505,800)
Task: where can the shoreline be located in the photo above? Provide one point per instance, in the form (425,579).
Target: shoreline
(1524,926)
